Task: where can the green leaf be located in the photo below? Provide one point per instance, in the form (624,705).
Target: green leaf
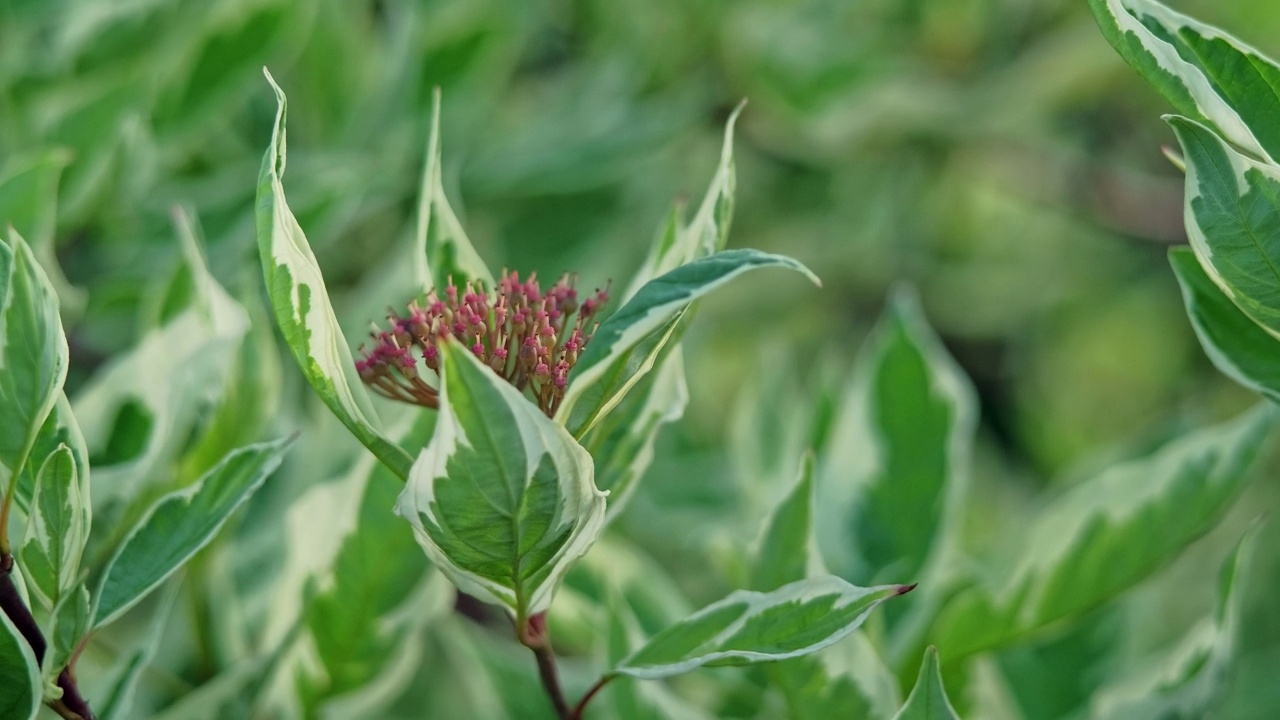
(502,499)
(896,471)
(1206,74)
(69,625)
(57,528)
(302,308)
(33,354)
(1194,676)
(19,675)
(444,252)
(928,699)
(679,244)
(849,679)
(180,524)
(1238,347)
(1233,221)
(622,443)
(1104,535)
(625,347)
(139,410)
(787,551)
(749,627)
(59,429)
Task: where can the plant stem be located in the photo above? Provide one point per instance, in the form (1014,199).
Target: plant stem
(533,634)
(72,705)
(581,707)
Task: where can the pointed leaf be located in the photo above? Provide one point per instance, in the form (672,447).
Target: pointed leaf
(896,472)
(57,528)
(1238,347)
(1206,74)
(33,354)
(70,624)
(59,429)
(626,346)
(444,252)
(502,499)
(678,244)
(622,443)
(1108,533)
(19,675)
(928,699)
(749,627)
(1233,221)
(787,550)
(302,308)
(180,524)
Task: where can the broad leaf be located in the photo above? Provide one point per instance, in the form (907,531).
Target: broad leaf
(502,499)
(896,473)
(622,443)
(748,627)
(444,252)
(1233,221)
(33,354)
(57,528)
(19,675)
(679,244)
(928,699)
(1238,347)
(1204,73)
(1106,534)
(627,344)
(302,308)
(180,524)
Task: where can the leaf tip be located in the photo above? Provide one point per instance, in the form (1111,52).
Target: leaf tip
(904,589)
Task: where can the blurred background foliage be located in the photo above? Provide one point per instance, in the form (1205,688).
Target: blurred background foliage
(997,154)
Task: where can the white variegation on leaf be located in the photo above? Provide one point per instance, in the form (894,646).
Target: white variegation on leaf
(33,356)
(443,251)
(67,626)
(502,500)
(1203,72)
(748,627)
(626,345)
(164,381)
(57,528)
(302,308)
(1232,218)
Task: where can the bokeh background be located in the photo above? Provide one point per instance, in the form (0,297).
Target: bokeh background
(995,154)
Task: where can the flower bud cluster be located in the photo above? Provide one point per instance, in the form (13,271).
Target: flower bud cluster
(529,337)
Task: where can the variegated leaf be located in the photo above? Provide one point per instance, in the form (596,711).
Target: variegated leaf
(150,396)
(749,627)
(787,551)
(928,699)
(1108,533)
(502,499)
(622,443)
(679,244)
(444,252)
(59,428)
(895,475)
(302,307)
(69,624)
(1237,345)
(19,674)
(1233,221)
(33,356)
(1204,73)
(57,528)
(627,344)
(179,524)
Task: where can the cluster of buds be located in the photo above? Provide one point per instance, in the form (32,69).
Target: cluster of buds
(530,338)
